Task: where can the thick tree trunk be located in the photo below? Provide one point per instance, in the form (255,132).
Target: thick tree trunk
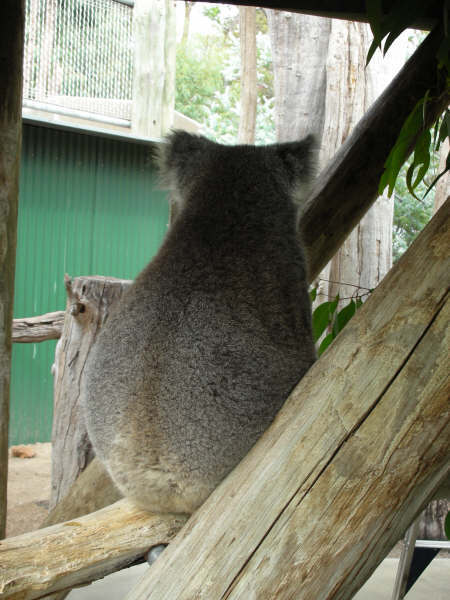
(89,301)
(11,53)
(315,484)
(154,67)
(299,47)
(328,94)
(247,29)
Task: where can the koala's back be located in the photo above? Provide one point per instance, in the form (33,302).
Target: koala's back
(210,338)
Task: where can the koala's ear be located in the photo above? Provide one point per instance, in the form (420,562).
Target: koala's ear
(299,160)
(178,156)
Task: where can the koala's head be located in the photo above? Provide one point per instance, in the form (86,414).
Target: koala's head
(187,161)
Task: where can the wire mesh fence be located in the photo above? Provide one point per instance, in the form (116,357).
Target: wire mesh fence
(79,55)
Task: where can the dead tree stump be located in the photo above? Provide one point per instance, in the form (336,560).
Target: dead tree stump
(89,302)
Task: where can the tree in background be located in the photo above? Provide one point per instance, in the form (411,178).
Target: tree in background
(322,86)
(248,79)
(208,89)
(208,83)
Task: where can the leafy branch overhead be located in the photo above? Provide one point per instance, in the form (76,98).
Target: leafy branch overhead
(415,133)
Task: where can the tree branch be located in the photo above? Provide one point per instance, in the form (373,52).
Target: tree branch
(38,329)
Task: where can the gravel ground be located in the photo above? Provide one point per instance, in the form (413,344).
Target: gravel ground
(29,481)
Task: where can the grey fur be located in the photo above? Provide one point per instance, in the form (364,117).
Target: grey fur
(213,334)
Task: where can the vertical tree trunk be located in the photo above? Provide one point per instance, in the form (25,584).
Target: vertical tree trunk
(154,65)
(187,22)
(247,28)
(299,48)
(326,91)
(170,52)
(89,301)
(366,255)
(11,55)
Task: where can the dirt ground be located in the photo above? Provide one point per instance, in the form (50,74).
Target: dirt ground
(29,481)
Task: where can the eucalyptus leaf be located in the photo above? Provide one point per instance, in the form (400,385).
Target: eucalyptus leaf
(444,130)
(325,343)
(322,317)
(399,152)
(447,525)
(401,16)
(374,10)
(344,316)
(434,182)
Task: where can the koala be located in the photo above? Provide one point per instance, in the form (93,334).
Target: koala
(212,336)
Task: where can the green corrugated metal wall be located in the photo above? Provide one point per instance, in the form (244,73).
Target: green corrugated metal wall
(88,206)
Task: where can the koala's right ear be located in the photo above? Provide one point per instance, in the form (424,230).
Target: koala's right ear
(299,159)
(179,157)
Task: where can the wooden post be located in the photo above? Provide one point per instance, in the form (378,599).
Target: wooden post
(11,53)
(354,454)
(89,301)
(154,33)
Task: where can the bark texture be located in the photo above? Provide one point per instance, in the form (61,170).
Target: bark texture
(11,53)
(328,94)
(78,551)
(299,47)
(89,301)
(154,67)
(247,29)
(38,329)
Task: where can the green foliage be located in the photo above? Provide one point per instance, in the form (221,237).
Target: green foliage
(410,215)
(199,77)
(414,133)
(327,317)
(402,15)
(208,77)
(447,525)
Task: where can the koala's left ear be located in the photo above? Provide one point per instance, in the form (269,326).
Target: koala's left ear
(177,153)
(299,159)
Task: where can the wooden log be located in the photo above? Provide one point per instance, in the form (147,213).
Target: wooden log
(354,454)
(351,459)
(92,490)
(63,556)
(89,301)
(11,53)
(38,329)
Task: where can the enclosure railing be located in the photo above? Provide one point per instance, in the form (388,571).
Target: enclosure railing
(78,57)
